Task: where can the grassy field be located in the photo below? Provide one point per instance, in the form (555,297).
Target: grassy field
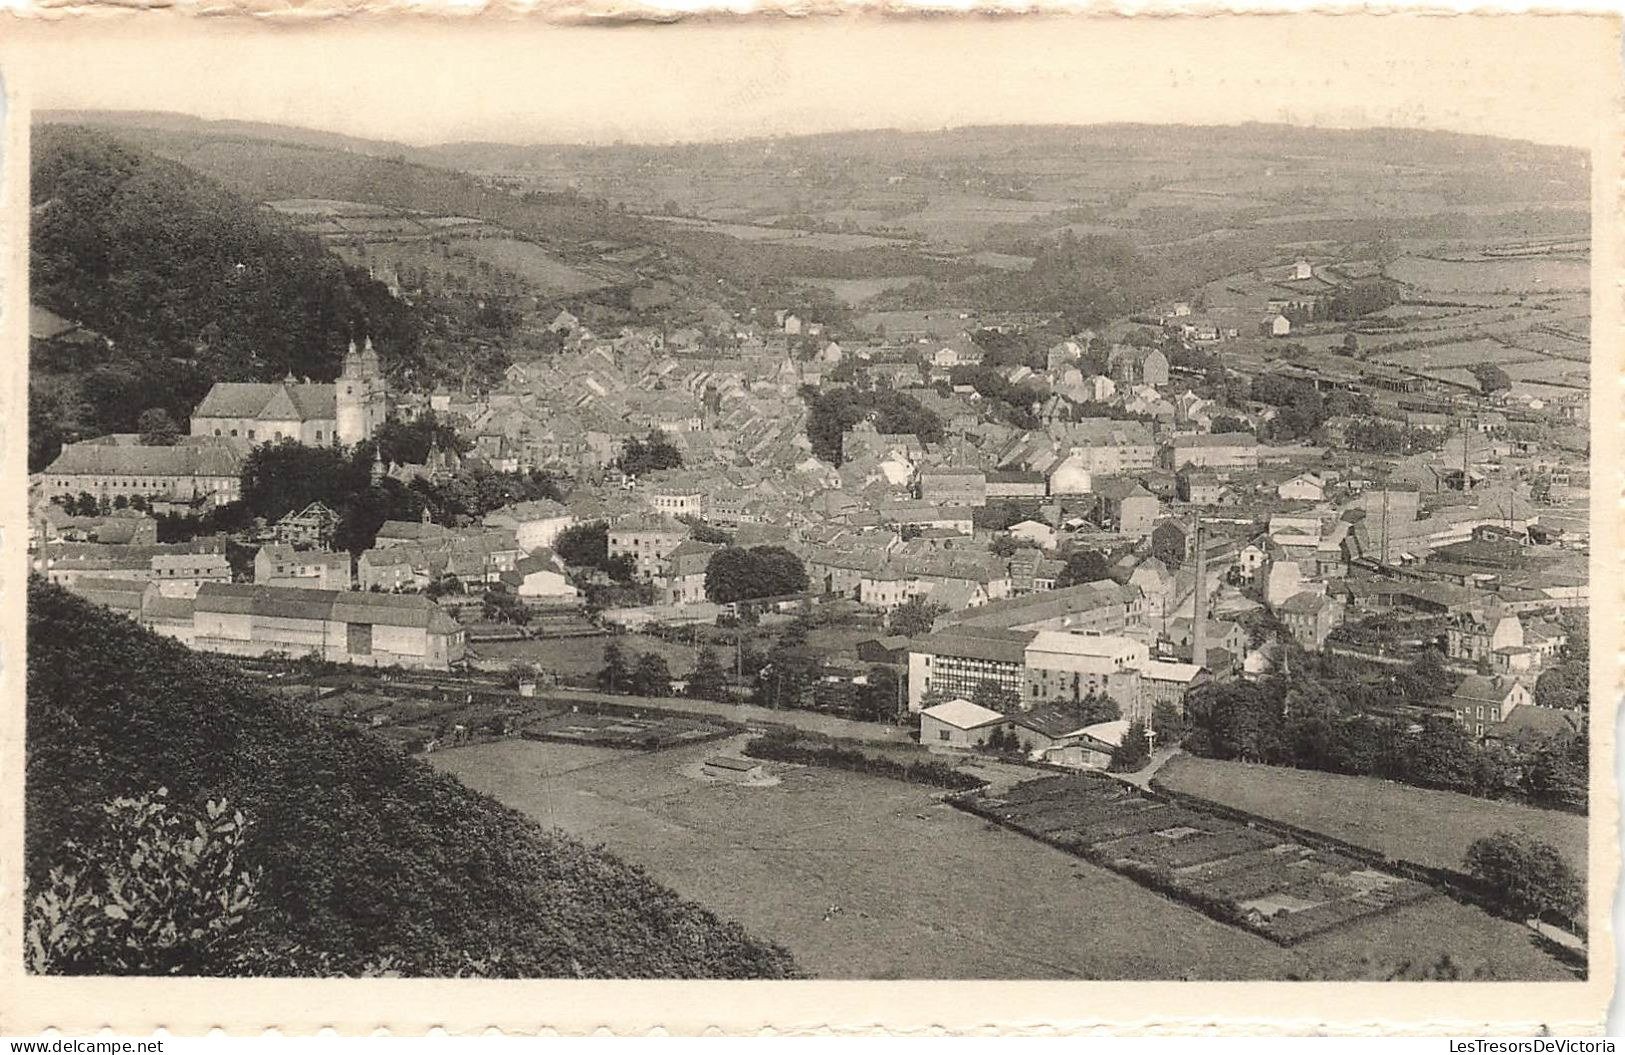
(855,291)
(536,266)
(1431,828)
(1534,275)
(862,877)
(584,656)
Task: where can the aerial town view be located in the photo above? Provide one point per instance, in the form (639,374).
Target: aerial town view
(1001,552)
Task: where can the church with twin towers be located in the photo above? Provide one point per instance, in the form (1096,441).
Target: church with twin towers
(346,411)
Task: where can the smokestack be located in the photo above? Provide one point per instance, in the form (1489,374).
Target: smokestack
(1199,609)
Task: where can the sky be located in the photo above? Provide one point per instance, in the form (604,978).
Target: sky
(427,80)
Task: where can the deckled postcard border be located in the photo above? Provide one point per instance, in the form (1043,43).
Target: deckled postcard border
(1513,75)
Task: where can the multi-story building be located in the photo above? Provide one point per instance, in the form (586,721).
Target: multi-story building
(178,569)
(1100,445)
(1164,682)
(1474,637)
(301,569)
(1216,450)
(347,411)
(647,541)
(677,498)
(210,473)
(1067,668)
(1310,617)
(682,574)
(955,663)
(1482,703)
(953,486)
(536,524)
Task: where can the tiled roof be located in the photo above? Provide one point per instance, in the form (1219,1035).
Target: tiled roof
(1007,646)
(1048,604)
(346,606)
(89,459)
(278,401)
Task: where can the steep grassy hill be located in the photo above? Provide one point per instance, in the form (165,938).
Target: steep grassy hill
(163,260)
(190,283)
(371,859)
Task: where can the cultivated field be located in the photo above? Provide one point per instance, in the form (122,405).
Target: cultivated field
(862,877)
(1250,878)
(1432,828)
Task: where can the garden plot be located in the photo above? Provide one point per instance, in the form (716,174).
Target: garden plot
(607,730)
(1236,873)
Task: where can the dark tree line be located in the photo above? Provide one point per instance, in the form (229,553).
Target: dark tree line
(286,476)
(1311,723)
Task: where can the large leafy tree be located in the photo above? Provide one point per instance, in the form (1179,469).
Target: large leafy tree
(1133,752)
(736,574)
(656,452)
(708,681)
(913,617)
(651,676)
(1527,876)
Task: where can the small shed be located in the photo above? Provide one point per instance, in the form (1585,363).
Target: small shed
(738,770)
(958,723)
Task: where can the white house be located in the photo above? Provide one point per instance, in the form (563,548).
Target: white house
(1070,477)
(1037,532)
(536,525)
(1305,487)
(539,579)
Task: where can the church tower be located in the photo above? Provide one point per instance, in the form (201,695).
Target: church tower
(362,402)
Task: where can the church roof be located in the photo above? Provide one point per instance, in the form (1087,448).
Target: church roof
(279,401)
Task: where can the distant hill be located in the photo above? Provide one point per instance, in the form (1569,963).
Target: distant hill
(1400,145)
(371,858)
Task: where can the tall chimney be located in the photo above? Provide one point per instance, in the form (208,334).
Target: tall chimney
(1199,609)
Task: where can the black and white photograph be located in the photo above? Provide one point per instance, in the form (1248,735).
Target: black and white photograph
(785,527)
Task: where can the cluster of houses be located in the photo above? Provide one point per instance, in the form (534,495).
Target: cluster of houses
(1124,460)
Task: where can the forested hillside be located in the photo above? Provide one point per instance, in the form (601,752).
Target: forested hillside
(349,857)
(190,283)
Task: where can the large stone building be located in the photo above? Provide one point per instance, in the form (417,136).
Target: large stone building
(1219,450)
(347,411)
(192,473)
(1067,668)
(372,629)
(647,541)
